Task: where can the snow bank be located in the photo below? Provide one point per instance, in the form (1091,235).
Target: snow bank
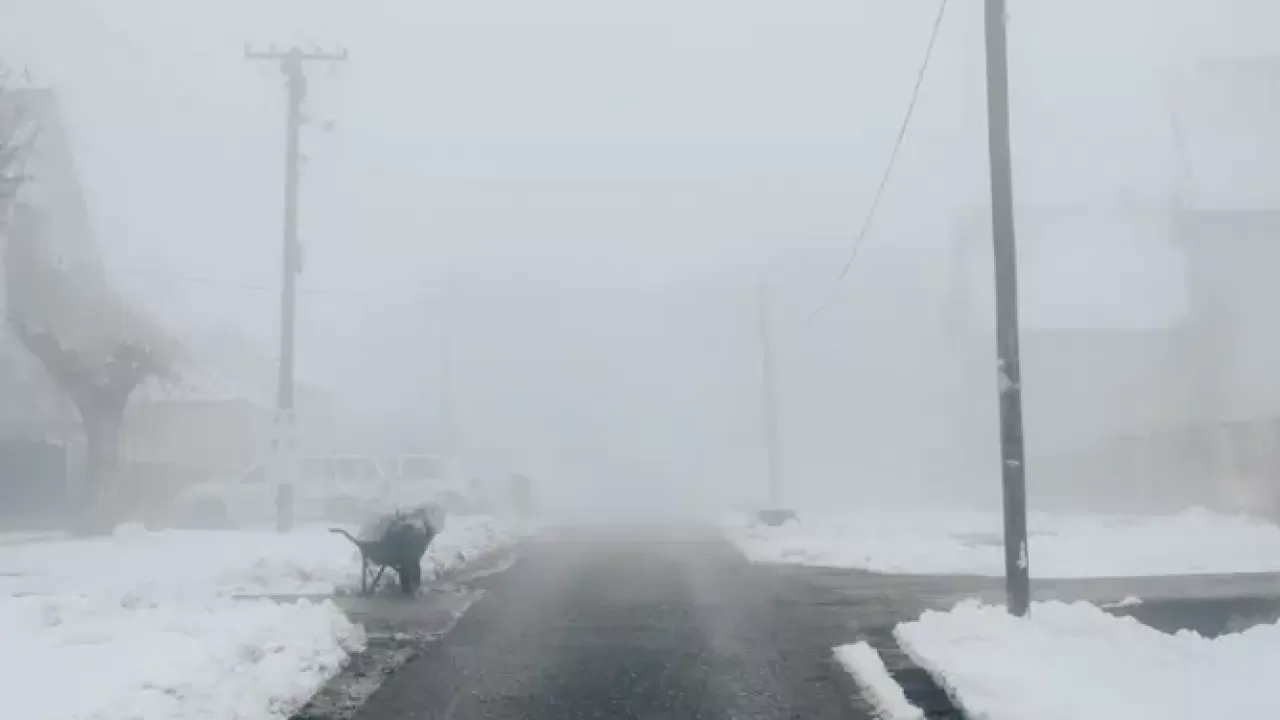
(1076,662)
(75,657)
(204,563)
(878,687)
(958,543)
(146,626)
(465,539)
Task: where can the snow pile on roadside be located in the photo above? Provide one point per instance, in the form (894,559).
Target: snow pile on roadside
(146,624)
(203,563)
(1127,601)
(24,537)
(877,686)
(464,540)
(1062,546)
(81,658)
(1076,662)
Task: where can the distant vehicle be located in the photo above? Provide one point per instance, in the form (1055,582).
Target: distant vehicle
(420,479)
(332,488)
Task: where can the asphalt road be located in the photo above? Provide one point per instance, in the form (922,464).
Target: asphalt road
(653,624)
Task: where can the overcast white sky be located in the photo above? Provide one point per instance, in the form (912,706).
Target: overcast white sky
(605,182)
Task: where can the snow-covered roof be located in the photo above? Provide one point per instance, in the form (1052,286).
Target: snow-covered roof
(54,185)
(191,383)
(221,365)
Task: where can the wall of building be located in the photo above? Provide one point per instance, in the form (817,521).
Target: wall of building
(1236,332)
(50,218)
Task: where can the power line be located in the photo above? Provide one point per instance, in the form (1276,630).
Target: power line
(253,287)
(893,158)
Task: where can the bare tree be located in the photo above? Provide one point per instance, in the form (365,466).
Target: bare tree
(95,348)
(99,383)
(97,352)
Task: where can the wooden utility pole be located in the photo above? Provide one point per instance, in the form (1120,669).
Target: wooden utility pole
(1012,451)
(769,392)
(285,442)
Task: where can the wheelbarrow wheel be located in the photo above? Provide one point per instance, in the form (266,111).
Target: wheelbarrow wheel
(410,578)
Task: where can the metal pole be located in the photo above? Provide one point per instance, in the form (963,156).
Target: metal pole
(1012,452)
(447,410)
(770,404)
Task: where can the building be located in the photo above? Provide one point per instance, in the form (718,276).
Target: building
(213,419)
(1105,339)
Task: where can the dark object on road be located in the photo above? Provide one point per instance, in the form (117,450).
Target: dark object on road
(399,543)
(775,518)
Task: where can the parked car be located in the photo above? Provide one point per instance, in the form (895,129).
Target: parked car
(333,488)
(421,479)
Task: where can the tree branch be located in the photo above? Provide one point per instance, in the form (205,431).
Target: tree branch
(66,367)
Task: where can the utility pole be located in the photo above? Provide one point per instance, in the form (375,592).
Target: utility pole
(1012,451)
(285,442)
(769,390)
(447,411)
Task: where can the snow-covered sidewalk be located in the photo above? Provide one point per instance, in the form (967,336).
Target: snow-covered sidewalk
(148,625)
(1076,662)
(969,543)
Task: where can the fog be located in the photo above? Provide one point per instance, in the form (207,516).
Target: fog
(554,218)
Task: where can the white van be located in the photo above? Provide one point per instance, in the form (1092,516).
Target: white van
(421,479)
(331,488)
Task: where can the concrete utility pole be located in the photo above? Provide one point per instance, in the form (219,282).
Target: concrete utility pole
(285,442)
(1012,452)
(452,433)
(769,391)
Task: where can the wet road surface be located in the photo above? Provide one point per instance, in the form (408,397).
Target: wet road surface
(653,624)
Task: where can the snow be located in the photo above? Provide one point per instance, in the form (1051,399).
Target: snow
(1076,662)
(1061,546)
(878,687)
(70,657)
(1129,601)
(199,563)
(157,626)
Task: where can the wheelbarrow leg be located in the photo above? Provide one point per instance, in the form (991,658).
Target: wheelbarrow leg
(377,579)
